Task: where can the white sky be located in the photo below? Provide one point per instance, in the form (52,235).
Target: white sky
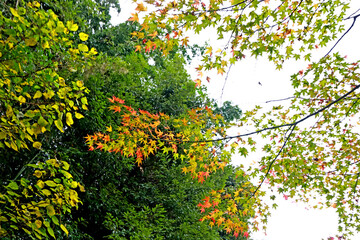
(290,221)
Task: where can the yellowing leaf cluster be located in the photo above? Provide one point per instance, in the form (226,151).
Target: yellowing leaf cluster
(36,99)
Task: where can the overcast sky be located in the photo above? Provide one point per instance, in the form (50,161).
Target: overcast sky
(290,221)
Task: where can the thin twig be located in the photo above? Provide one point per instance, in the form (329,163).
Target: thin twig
(23,168)
(274,160)
(352,25)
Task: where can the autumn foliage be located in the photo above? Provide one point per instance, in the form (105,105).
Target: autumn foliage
(140,134)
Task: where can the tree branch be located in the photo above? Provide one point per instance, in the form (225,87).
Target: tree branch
(273,161)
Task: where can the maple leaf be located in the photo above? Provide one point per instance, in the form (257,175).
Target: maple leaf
(134,18)
(138,48)
(197,82)
(220,71)
(141,8)
(154,34)
(117,109)
(246,234)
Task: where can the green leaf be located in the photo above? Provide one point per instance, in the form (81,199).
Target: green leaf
(50,210)
(50,183)
(13,185)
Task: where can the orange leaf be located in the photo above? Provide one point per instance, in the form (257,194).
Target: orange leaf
(138,48)
(134,18)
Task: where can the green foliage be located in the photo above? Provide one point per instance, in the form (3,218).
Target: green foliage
(33,207)
(48,77)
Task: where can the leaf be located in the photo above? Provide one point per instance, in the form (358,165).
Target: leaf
(64,229)
(134,17)
(46,192)
(30,42)
(141,8)
(22,99)
(51,232)
(38,223)
(37,145)
(83,36)
(69,119)
(14,12)
(83,47)
(38,94)
(37,173)
(72,26)
(59,124)
(78,115)
(138,48)
(65,165)
(55,220)
(50,183)
(50,210)
(14,146)
(13,185)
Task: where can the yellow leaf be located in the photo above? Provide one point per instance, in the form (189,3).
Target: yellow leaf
(74,184)
(30,42)
(36,4)
(50,183)
(60,27)
(38,223)
(221,71)
(69,119)
(134,18)
(38,94)
(209,50)
(13,145)
(140,7)
(78,115)
(72,26)
(59,124)
(138,48)
(37,174)
(93,51)
(65,165)
(22,99)
(83,47)
(45,45)
(14,12)
(83,36)
(46,192)
(9,111)
(79,83)
(37,145)
(109,129)
(41,184)
(64,229)
(81,187)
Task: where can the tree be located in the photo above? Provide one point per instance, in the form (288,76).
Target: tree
(301,160)
(38,203)
(35,98)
